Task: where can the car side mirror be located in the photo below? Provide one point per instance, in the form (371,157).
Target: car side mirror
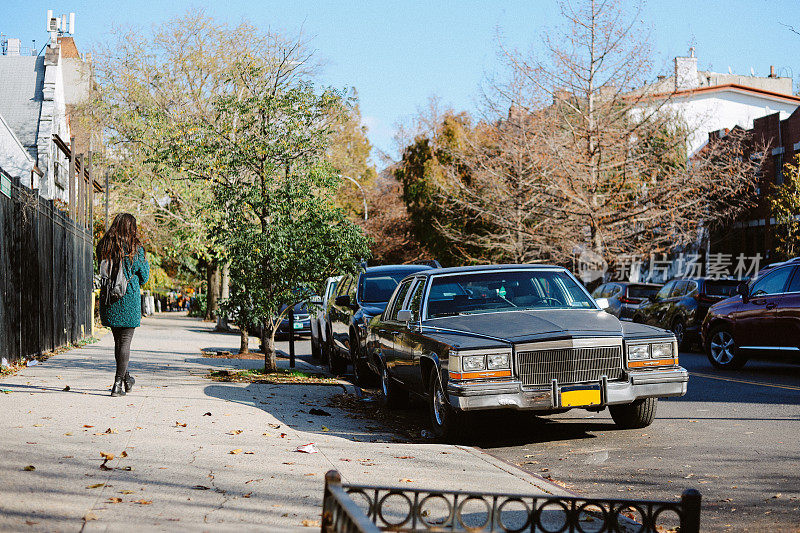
(343,300)
(602,303)
(743,290)
(405,315)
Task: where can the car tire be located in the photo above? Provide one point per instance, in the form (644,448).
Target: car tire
(363,373)
(447,423)
(721,349)
(316,353)
(393,396)
(336,362)
(679,330)
(636,415)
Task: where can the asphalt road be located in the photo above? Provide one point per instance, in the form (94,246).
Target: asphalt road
(735,437)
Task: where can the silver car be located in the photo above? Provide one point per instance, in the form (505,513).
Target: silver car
(318,319)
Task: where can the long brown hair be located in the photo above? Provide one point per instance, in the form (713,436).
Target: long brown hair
(121,239)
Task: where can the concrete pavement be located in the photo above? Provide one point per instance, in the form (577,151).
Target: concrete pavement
(193,454)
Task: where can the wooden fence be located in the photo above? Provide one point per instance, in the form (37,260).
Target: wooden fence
(46,274)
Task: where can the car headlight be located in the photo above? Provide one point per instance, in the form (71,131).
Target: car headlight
(638,351)
(662,350)
(498,361)
(471,363)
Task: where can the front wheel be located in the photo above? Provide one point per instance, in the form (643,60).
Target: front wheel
(636,415)
(722,351)
(363,373)
(679,330)
(446,422)
(393,395)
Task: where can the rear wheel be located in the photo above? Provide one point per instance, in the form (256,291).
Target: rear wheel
(722,350)
(679,330)
(446,422)
(636,415)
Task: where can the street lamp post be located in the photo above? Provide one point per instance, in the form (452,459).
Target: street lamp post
(363,194)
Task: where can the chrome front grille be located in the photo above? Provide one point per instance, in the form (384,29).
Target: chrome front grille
(569,365)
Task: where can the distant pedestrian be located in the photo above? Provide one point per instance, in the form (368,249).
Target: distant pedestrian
(121,246)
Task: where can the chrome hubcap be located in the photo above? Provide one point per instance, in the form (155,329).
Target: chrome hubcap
(385,382)
(438,405)
(722,347)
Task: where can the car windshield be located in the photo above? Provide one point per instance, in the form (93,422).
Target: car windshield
(642,291)
(721,288)
(378,288)
(484,292)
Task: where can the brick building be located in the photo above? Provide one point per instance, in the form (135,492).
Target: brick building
(754,232)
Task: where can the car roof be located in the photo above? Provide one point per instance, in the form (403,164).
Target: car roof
(481,268)
(397,268)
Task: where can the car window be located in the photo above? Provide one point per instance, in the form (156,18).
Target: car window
(642,291)
(377,287)
(679,289)
(691,287)
(721,287)
(343,286)
(332,289)
(613,290)
(399,298)
(415,303)
(772,283)
(665,291)
(794,286)
(598,292)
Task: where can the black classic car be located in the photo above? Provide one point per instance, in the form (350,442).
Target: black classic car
(517,336)
(357,299)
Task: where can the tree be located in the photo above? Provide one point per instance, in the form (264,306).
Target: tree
(264,155)
(572,154)
(785,206)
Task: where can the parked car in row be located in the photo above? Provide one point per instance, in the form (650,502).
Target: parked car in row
(302,320)
(625,298)
(763,317)
(319,316)
(357,299)
(524,337)
(681,305)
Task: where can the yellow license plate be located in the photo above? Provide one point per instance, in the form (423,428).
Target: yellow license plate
(580,398)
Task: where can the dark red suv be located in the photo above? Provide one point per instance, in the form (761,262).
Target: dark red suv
(764,317)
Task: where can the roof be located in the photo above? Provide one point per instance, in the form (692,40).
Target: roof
(21,97)
(728,87)
(481,268)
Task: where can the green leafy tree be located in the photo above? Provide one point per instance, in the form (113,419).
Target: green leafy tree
(785,205)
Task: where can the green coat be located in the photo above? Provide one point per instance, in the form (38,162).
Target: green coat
(127,311)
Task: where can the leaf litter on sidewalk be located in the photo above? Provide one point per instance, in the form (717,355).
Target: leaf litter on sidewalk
(280,377)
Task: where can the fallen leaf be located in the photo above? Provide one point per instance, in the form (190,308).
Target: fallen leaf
(126,492)
(67,434)
(88,426)
(251,480)
(143,502)
(112,430)
(249,453)
(247,495)
(37,425)
(200,487)
(399,457)
(312,474)
(29,468)
(89,516)
(104,467)
(115,500)
(30,522)
(206,414)
(311,523)
(283,435)
(65,389)
(319,412)
(180,424)
(274,426)
(95,486)
(406,481)
(236,451)
(123,454)
(107,456)
(235,432)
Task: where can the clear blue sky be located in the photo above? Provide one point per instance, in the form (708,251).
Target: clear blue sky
(399,53)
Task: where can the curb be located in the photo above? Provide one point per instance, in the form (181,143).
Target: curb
(548,487)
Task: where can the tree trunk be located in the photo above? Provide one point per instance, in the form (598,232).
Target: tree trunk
(244,346)
(268,345)
(225,292)
(212,302)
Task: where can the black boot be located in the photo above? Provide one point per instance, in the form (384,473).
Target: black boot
(119,388)
(129,381)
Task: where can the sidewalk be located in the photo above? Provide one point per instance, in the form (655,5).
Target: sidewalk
(179,472)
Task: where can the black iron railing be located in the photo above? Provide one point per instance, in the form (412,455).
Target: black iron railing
(416,510)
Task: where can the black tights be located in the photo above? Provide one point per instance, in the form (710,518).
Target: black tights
(122,349)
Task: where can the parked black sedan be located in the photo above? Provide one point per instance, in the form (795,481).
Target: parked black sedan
(357,299)
(517,336)
(682,304)
(625,298)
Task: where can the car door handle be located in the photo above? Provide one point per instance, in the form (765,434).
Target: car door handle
(771,305)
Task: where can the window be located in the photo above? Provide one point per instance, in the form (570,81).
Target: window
(665,291)
(598,292)
(679,289)
(415,303)
(772,283)
(399,298)
(794,286)
(613,290)
(378,287)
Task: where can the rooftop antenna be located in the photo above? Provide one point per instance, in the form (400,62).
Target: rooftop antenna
(57,26)
(752,72)
(730,71)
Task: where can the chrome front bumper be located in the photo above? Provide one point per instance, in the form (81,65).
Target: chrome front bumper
(511,394)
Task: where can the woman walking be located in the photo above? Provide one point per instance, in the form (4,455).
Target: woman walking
(121,246)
